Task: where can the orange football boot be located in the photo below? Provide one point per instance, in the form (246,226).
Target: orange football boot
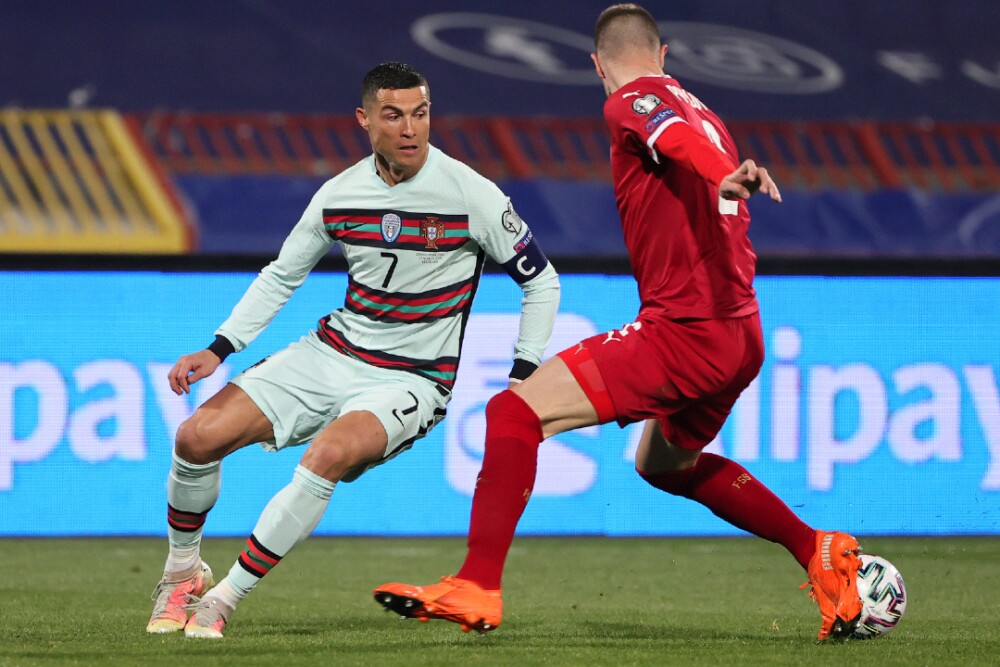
(833,582)
(457,600)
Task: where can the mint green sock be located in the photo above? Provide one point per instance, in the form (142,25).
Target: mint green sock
(192,490)
(288,519)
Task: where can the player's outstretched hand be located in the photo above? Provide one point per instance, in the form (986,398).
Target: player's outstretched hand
(190,368)
(746,180)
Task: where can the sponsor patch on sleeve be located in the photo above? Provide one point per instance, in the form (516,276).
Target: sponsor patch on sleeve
(658,118)
(523,243)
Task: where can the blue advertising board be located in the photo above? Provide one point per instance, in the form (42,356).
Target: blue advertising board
(877,410)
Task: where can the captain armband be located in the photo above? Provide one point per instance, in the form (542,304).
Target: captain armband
(528,260)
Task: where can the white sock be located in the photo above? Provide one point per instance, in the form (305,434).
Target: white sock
(288,519)
(192,490)
(225,592)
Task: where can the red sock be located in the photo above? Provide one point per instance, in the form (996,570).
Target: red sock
(503,487)
(726,488)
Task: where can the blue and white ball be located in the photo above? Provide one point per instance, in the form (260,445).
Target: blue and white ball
(883,597)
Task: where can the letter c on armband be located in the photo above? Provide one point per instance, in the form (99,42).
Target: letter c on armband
(528,261)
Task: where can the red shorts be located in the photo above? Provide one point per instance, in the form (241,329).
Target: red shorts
(686,374)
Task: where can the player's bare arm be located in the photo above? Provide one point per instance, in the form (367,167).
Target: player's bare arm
(747,180)
(190,368)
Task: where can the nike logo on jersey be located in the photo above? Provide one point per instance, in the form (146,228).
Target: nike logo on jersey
(348,227)
(627,95)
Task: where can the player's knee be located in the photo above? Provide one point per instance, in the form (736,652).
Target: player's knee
(194,441)
(332,458)
(674,482)
(509,407)
(496,406)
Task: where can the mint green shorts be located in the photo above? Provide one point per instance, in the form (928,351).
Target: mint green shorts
(307,385)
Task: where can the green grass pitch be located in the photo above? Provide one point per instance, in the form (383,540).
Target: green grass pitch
(569,601)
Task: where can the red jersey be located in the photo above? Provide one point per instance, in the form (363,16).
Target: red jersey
(688,247)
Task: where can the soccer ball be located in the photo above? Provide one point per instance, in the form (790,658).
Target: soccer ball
(883,597)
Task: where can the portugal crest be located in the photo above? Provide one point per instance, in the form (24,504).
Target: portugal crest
(391,226)
(432,230)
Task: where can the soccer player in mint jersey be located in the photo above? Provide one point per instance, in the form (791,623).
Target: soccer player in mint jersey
(695,345)
(415,227)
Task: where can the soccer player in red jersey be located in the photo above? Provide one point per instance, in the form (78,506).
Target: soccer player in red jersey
(694,347)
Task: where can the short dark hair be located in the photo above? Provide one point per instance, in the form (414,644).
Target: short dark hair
(392,76)
(643,27)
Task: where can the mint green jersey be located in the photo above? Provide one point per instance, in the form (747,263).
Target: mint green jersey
(415,252)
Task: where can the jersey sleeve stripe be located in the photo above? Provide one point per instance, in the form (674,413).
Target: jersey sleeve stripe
(651,141)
